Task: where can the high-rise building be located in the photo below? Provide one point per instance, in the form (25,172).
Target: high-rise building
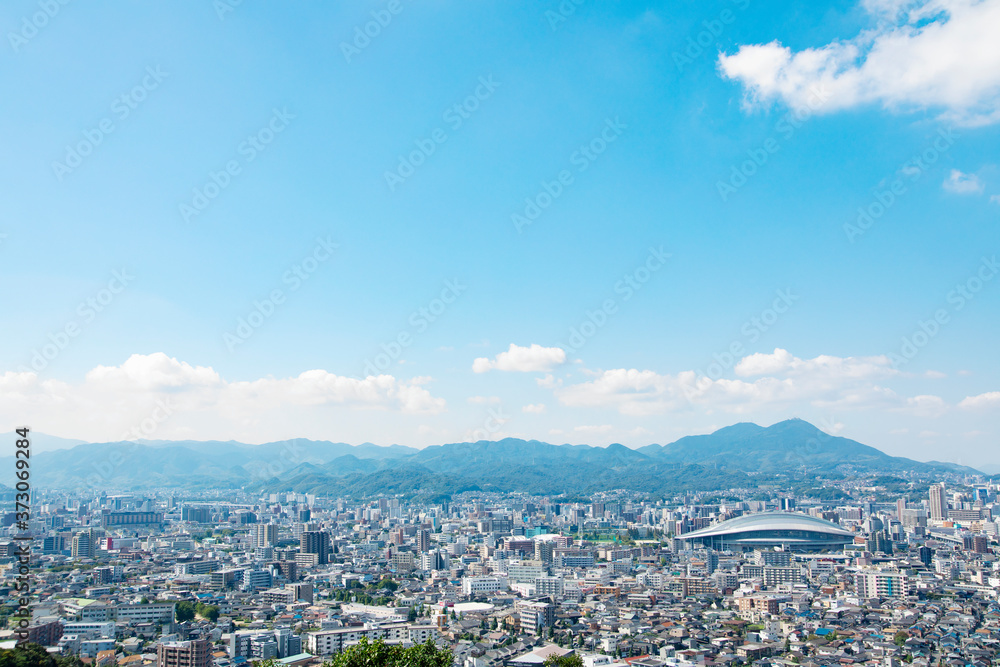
(263,535)
(882,584)
(544,550)
(926,555)
(193,653)
(975,543)
(423,538)
(536,616)
(84,544)
(196,514)
(938,501)
(316,542)
(900,508)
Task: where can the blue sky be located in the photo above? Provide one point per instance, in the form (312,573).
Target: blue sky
(696,168)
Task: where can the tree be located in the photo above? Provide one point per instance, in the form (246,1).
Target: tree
(387,583)
(380,654)
(209,611)
(900,638)
(185,611)
(34,655)
(563,661)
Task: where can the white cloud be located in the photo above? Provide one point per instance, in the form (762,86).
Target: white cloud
(782,362)
(990,399)
(153,371)
(925,406)
(548,382)
(532,359)
(962,184)
(934,54)
(113,400)
(995,199)
(534,408)
(781,381)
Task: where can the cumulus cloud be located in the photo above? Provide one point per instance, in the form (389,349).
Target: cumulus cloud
(532,359)
(780,380)
(782,362)
(990,399)
(933,54)
(534,408)
(112,400)
(962,184)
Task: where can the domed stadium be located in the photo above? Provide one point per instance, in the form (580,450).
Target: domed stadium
(792,530)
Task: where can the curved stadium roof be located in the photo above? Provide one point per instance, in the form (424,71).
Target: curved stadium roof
(773,528)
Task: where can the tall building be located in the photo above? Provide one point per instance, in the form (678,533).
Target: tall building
(316,542)
(423,538)
(84,544)
(544,550)
(536,616)
(263,535)
(196,514)
(193,653)
(882,584)
(900,508)
(939,501)
(976,543)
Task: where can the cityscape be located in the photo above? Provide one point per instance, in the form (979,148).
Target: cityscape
(880,568)
(439,333)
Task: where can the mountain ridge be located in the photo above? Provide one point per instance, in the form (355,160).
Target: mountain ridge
(725,458)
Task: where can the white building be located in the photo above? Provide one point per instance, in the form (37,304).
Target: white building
(483,585)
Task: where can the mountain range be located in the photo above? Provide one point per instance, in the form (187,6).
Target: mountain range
(741,455)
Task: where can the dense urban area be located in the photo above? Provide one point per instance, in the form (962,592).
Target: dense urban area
(888,572)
